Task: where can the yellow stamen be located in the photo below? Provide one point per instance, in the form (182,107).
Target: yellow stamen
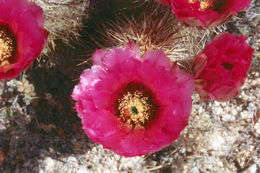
(137,102)
(135,106)
(204,4)
(7,46)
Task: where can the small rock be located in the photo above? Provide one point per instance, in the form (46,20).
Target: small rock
(48,164)
(83,170)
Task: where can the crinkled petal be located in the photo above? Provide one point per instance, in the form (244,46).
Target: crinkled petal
(220,69)
(25,20)
(99,89)
(151,57)
(191,14)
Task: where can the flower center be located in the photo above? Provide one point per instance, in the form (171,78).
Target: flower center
(215,5)
(135,105)
(7,46)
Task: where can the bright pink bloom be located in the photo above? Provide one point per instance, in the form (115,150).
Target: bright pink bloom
(220,69)
(133,105)
(22,36)
(207,13)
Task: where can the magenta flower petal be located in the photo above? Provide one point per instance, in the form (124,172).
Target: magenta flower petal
(107,58)
(207,13)
(151,57)
(133,104)
(22,23)
(220,69)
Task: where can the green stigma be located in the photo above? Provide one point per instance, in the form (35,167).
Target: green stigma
(133,110)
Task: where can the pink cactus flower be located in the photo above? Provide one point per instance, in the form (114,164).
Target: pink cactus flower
(133,104)
(206,13)
(220,69)
(22,36)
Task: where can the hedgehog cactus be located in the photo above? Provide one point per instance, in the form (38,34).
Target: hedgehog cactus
(63,20)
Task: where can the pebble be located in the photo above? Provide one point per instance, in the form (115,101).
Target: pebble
(83,170)
(48,164)
(253,168)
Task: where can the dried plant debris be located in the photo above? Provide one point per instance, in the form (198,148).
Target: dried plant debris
(16,97)
(257,123)
(63,20)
